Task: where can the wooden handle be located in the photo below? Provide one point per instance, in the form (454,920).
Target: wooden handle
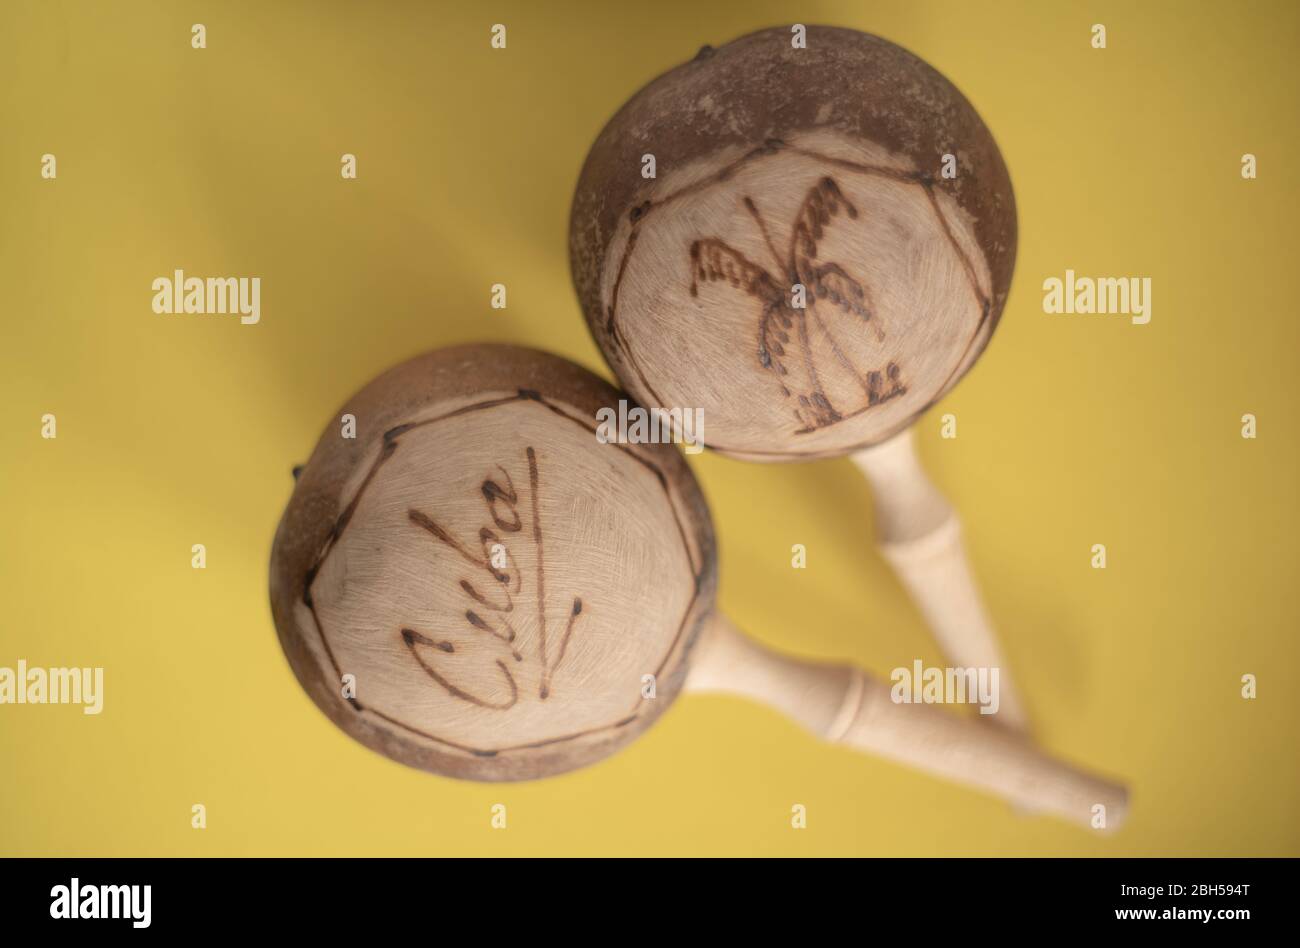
(920,536)
(845,705)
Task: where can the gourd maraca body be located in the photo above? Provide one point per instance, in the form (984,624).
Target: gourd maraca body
(479,586)
(824,250)
(799,267)
(496,581)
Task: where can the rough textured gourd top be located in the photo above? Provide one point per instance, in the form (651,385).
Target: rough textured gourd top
(496,582)
(799,267)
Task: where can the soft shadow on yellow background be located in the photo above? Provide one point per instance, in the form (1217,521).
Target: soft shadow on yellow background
(1072,431)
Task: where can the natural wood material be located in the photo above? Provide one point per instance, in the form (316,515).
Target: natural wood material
(845,705)
(801,270)
(920,536)
(502,587)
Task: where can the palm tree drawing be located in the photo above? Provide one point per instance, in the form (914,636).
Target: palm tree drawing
(785,330)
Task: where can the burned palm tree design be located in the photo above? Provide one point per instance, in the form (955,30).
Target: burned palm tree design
(785,330)
(489,613)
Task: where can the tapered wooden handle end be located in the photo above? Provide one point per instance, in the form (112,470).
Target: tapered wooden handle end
(846,706)
(996,760)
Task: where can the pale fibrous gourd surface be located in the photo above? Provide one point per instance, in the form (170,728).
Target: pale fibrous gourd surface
(506,595)
(809,245)
(700,291)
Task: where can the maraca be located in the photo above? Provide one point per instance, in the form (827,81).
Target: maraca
(478,586)
(810,246)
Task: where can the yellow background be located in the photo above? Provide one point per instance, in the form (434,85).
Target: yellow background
(1073,430)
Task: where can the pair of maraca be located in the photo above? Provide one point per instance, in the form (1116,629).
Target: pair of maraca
(481,586)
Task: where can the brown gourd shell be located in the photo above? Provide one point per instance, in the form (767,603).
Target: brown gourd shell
(495,580)
(820,167)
